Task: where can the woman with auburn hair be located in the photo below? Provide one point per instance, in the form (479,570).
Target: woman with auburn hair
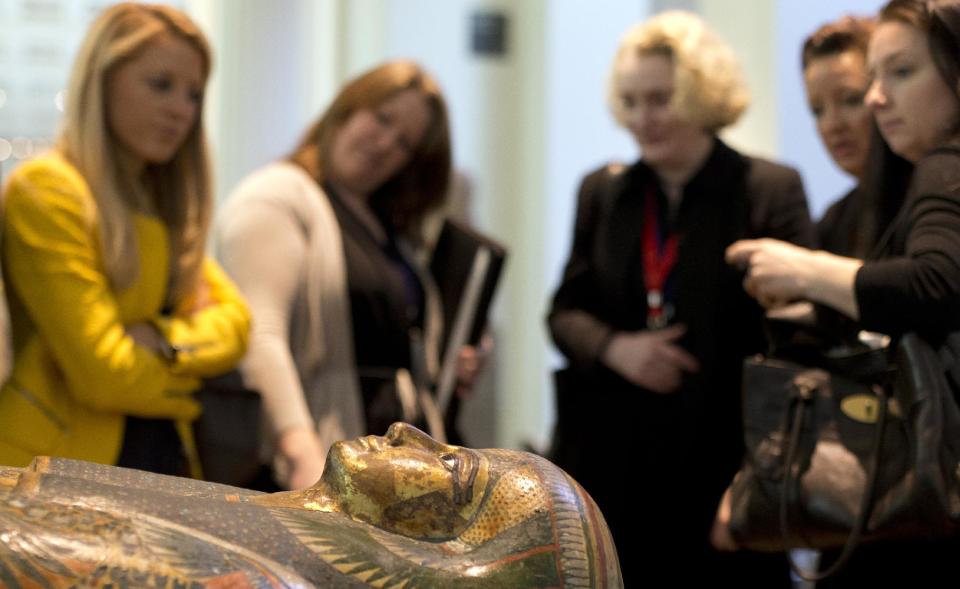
(911,282)
(346,320)
(116,313)
(652,323)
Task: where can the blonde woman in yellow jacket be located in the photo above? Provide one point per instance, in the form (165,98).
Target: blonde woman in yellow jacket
(116,313)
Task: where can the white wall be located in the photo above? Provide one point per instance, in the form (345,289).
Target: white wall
(745,26)
(270,77)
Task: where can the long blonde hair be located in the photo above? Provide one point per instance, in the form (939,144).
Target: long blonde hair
(179,190)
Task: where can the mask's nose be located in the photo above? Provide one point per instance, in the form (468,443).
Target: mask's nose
(404,434)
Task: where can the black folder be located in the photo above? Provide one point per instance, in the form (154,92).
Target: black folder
(466,267)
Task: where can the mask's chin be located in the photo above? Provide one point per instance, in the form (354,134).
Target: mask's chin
(334,470)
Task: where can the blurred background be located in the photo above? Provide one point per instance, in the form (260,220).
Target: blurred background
(525,82)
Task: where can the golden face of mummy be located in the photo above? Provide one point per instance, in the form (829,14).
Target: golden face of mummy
(408,483)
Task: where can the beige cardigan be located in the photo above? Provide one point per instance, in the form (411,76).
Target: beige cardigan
(278,238)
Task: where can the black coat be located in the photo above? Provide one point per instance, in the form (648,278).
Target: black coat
(684,446)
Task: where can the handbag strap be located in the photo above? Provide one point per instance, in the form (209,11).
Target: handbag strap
(802,400)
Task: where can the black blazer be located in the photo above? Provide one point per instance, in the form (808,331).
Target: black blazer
(602,290)
(682,448)
(916,286)
(731,197)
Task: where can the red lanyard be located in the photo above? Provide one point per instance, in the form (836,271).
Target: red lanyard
(658,260)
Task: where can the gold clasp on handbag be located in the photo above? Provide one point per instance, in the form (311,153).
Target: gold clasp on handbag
(862,408)
(866,408)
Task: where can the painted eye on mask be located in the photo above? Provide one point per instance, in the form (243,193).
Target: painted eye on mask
(449,461)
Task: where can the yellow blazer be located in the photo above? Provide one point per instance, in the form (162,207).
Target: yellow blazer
(76,373)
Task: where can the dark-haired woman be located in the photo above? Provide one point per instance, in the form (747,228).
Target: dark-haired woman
(914,283)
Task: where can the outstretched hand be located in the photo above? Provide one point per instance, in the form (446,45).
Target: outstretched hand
(777,271)
(301,458)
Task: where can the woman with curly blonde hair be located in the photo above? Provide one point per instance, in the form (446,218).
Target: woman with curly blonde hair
(652,322)
(116,314)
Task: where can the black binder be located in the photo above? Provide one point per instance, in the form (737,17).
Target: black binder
(466,267)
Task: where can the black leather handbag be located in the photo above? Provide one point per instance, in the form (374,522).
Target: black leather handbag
(836,456)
